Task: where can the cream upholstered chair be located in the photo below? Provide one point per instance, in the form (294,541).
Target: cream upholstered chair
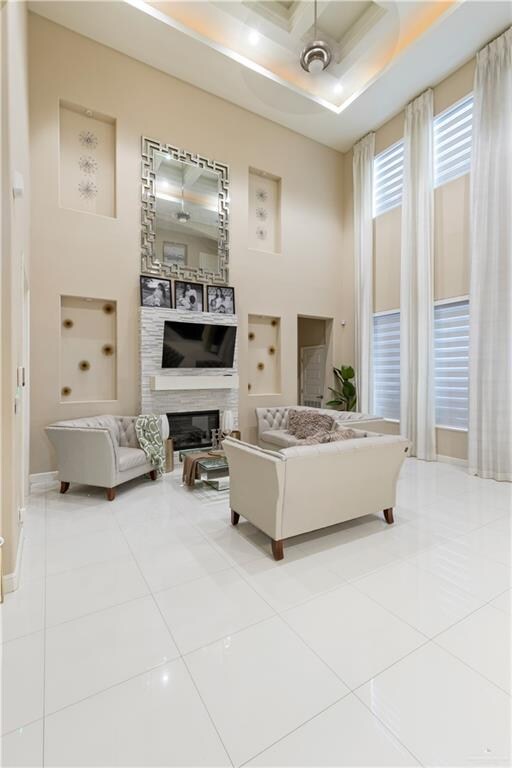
(99,450)
(295,490)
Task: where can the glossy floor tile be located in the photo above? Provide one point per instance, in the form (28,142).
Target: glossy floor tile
(23,611)
(22,681)
(291,581)
(149,631)
(189,560)
(92,588)
(92,653)
(466,569)
(483,640)
(153,719)
(503,602)
(210,608)
(261,683)
(23,748)
(88,549)
(426,601)
(441,710)
(354,635)
(346,734)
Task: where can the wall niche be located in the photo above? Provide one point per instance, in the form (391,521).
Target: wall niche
(88,354)
(87,160)
(264,211)
(264,355)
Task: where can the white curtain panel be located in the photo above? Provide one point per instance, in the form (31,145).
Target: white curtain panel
(364,152)
(490,403)
(417,384)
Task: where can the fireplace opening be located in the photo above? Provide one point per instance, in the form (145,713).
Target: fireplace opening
(192,429)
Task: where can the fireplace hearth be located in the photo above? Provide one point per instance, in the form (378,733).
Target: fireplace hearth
(192,429)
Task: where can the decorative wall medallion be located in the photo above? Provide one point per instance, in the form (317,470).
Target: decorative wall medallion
(261,233)
(65,391)
(88,164)
(88,139)
(107,349)
(87,189)
(108,309)
(251,336)
(261,214)
(271,350)
(84,365)
(67,323)
(261,195)
(261,366)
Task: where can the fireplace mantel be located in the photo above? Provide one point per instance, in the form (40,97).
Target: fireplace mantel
(183,382)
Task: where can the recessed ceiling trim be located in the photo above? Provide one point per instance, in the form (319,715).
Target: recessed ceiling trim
(234,55)
(359,29)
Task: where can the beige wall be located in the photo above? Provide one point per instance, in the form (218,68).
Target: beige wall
(451,234)
(86,255)
(14,274)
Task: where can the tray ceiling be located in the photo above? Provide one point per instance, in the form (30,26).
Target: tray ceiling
(384,52)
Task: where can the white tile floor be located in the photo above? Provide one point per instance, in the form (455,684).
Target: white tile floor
(149,632)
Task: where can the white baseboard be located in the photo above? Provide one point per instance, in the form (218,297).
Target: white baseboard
(42,478)
(452,460)
(10,581)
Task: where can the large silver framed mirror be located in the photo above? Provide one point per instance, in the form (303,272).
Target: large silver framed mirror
(185,214)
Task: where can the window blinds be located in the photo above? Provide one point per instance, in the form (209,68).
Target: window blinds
(451,348)
(452,141)
(388,174)
(386,365)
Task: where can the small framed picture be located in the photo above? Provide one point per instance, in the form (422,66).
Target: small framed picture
(155,292)
(188,296)
(174,253)
(221,299)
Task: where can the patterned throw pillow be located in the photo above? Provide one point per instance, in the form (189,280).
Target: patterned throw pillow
(343,433)
(304,424)
(332,436)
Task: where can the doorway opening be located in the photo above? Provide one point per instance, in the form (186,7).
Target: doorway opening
(314,356)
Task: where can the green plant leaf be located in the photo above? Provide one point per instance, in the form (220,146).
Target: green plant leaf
(347,372)
(337,374)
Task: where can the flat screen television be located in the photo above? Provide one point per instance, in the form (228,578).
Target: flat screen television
(198,345)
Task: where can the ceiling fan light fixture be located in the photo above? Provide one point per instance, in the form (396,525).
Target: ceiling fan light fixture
(183,216)
(315,57)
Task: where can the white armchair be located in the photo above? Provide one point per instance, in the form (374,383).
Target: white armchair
(100,450)
(305,488)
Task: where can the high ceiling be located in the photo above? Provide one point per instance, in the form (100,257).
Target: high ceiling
(384,52)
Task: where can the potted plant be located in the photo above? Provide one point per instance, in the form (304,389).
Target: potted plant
(345,397)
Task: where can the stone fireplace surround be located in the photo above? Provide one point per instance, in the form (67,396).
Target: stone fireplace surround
(221,385)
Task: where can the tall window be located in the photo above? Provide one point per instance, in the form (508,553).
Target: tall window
(388,176)
(451,353)
(386,365)
(452,141)
(451,347)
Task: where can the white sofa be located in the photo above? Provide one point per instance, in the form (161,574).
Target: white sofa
(273,424)
(305,488)
(99,450)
